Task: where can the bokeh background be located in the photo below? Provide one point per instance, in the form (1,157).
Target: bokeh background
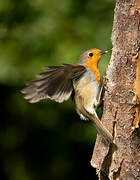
(46,140)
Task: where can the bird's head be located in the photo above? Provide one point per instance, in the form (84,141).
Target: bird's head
(91,56)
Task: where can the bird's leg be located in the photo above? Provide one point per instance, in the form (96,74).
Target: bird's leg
(99,102)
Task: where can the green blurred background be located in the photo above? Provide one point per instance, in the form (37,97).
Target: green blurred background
(46,140)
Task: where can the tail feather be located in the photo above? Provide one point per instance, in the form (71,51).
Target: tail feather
(99,126)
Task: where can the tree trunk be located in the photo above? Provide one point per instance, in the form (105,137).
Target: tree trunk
(121,113)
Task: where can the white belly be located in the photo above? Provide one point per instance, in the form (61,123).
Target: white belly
(87,92)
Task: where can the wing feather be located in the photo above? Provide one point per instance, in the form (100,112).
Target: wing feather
(56,83)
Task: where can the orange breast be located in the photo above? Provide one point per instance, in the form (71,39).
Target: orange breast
(94,68)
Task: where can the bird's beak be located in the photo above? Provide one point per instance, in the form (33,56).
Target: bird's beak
(103,52)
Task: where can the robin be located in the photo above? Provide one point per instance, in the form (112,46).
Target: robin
(81,81)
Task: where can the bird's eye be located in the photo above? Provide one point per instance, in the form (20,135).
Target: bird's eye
(90,54)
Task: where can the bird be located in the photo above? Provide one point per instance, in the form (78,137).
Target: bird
(81,81)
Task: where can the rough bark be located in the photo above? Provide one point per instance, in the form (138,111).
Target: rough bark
(121,113)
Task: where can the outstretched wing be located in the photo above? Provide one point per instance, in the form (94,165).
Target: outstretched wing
(56,83)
